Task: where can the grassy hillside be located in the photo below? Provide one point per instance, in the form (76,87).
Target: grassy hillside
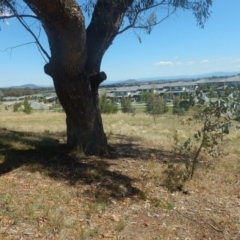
(47,192)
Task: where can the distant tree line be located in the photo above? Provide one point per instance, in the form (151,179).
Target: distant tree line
(18,92)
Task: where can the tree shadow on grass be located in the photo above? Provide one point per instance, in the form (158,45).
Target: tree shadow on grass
(36,152)
(128,147)
(48,154)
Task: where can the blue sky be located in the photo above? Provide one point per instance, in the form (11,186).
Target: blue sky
(176,47)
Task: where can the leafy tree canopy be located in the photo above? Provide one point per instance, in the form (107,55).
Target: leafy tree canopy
(135,14)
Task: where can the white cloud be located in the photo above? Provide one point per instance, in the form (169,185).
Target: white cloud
(190,63)
(205,61)
(4,14)
(224,59)
(219,59)
(163,63)
(179,63)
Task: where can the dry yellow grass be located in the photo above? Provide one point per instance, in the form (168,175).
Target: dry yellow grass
(48,193)
(142,126)
(36,122)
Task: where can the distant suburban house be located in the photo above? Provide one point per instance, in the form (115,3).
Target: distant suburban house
(228,81)
(38,106)
(124,91)
(9,99)
(51,98)
(175,88)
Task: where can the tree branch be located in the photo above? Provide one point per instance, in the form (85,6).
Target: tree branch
(20,45)
(142,26)
(146,26)
(106,20)
(19,15)
(9,5)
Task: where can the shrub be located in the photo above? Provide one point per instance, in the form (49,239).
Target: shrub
(176,102)
(144,96)
(106,106)
(166,108)
(185,105)
(216,121)
(155,105)
(181,106)
(16,107)
(27,108)
(178,111)
(126,104)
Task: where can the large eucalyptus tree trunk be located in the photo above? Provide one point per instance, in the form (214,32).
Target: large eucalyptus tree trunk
(78,94)
(76,55)
(83,119)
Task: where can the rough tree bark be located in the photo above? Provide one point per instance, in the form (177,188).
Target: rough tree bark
(76,55)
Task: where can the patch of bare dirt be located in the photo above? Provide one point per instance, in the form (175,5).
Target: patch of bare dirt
(44,195)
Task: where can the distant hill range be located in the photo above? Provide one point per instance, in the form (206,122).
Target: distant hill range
(150,79)
(32,86)
(168,78)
